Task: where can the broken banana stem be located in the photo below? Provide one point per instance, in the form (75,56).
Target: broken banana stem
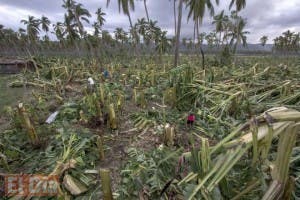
(28,125)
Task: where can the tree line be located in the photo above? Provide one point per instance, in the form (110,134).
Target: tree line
(143,36)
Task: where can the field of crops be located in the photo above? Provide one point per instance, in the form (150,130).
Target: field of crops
(131,123)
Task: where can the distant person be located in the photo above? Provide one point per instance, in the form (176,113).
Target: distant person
(190,120)
(91,86)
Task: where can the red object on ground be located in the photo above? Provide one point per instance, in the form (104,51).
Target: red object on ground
(191,118)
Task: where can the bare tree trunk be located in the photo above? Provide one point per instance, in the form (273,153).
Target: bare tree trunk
(178,33)
(146,9)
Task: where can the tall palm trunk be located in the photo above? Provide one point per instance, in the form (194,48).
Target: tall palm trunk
(79,24)
(130,21)
(235,50)
(146,9)
(134,35)
(200,46)
(175,16)
(178,33)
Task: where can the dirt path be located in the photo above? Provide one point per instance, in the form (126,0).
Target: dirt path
(118,143)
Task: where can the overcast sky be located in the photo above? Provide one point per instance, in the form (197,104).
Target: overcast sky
(264,17)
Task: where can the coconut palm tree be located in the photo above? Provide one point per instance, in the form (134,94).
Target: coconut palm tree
(220,21)
(134,36)
(163,44)
(100,17)
(21,32)
(70,29)
(106,37)
(32,28)
(197,9)
(239,4)
(201,38)
(1,31)
(190,44)
(59,31)
(237,34)
(69,6)
(263,40)
(120,35)
(146,10)
(81,14)
(211,39)
(288,41)
(141,26)
(184,42)
(126,6)
(45,23)
(97,28)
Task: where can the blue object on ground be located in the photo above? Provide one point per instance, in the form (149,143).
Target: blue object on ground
(106,74)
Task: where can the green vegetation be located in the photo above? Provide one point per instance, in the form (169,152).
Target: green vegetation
(125,116)
(107,112)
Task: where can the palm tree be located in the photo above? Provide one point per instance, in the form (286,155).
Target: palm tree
(237,34)
(288,41)
(70,30)
(45,22)
(184,42)
(141,26)
(120,35)
(97,28)
(69,25)
(32,28)
(126,5)
(211,39)
(201,38)
(106,37)
(146,10)
(263,40)
(81,14)
(220,22)
(100,17)
(197,9)
(135,38)
(69,5)
(163,44)
(239,4)
(189,44)
(1,31)
(59,31)
(21,33)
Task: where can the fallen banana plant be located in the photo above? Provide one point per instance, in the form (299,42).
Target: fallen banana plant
(284,124)
(142,122)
